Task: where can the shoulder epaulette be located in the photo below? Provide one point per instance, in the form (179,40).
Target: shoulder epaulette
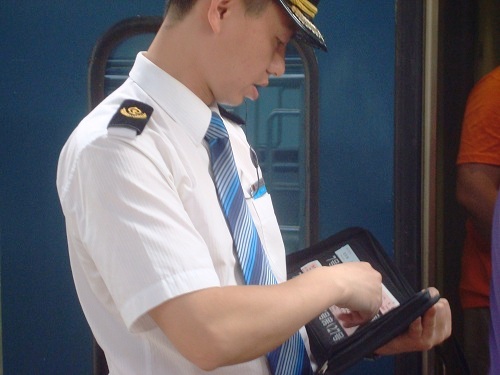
(231,116)
(131,115)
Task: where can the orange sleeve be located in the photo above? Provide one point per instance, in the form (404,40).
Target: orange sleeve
(480,139)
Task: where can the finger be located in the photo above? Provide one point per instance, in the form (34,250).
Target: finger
(415,329)
(433,291)
(443,320)
(436,324)
(352,319)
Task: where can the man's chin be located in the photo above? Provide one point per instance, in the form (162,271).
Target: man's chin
(253,95)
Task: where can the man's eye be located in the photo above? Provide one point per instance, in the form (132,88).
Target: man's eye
(280,44)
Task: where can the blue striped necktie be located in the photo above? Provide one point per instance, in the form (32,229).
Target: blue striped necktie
(291,357)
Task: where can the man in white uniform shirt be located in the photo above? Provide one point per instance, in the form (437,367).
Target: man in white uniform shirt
(151,253)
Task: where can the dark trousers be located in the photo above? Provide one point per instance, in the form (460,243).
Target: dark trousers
(476,340)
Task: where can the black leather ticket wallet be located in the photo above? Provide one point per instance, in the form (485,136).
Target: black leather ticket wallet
(335,347)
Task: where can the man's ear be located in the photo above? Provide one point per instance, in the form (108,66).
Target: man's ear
(217,11)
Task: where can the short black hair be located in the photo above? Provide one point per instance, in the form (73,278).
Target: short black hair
(179,8)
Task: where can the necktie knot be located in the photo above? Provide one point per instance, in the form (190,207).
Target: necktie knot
(216,129)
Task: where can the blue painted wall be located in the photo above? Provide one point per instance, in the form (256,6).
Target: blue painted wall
(357,125)
(356,117)
(45,47)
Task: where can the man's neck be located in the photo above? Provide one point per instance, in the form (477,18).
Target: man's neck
(176,49)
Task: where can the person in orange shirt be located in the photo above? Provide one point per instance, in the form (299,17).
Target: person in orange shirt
(478,180)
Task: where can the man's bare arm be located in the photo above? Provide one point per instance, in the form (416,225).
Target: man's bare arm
(222,326)
(477,188)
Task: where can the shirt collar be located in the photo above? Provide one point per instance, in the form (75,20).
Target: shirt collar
(180,103)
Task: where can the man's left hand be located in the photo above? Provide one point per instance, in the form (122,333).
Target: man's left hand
(425,332)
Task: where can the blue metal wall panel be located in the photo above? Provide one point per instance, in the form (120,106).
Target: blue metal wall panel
(357,125)
(45,47)
(357,117)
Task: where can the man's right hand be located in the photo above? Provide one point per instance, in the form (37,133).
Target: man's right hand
(362,291)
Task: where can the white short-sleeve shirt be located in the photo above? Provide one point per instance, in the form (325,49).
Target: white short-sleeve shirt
(144,223)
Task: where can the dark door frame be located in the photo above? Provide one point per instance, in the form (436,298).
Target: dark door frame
(408,115)
(455,69)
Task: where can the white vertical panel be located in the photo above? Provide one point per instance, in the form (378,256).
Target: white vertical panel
(429,177)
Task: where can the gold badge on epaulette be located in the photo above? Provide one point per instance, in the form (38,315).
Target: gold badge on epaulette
(132,115)
(133,112)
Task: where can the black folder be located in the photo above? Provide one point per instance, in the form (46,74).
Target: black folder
(334,347)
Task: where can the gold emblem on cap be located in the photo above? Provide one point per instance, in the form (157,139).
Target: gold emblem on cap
(133,112)
(306,7)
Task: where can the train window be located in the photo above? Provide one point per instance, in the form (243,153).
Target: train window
(281,125)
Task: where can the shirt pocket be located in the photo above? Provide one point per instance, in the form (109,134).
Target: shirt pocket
(263,215)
